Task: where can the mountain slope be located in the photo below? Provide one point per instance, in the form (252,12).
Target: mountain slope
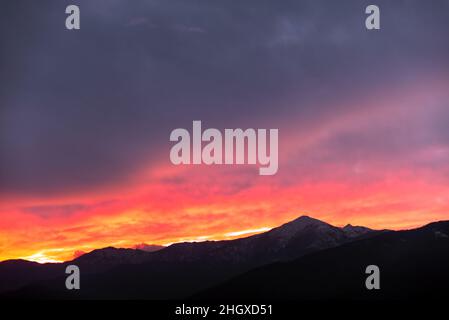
(17,273)
(413,264)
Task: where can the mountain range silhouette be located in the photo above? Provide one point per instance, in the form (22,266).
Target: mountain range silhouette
(302,259)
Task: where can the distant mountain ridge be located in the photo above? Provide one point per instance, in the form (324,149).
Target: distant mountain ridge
(208,262)
(290,240)
(148,247)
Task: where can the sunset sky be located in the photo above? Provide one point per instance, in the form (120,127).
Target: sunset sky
(85,119)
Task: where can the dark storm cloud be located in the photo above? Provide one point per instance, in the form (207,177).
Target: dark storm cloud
(81,109)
